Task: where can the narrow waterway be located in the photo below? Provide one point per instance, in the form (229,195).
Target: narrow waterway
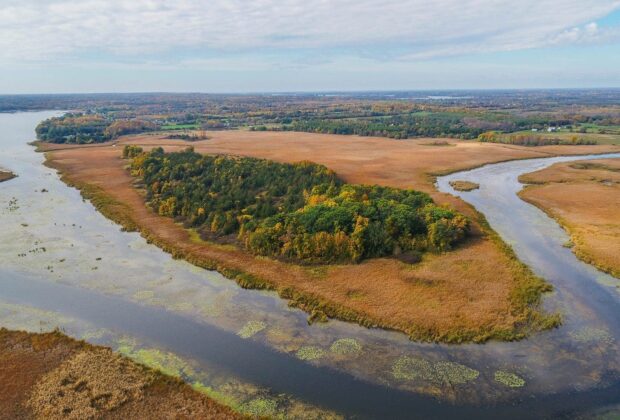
(64,265)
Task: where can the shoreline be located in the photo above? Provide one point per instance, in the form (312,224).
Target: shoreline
(526,290)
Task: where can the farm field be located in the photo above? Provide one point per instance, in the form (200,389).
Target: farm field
(584,198)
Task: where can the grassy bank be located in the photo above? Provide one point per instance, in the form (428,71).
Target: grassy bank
(582,197)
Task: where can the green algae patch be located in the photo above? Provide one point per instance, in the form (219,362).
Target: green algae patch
(455,373)
(592,335)
(310,353)
(410,368)
(260,407)
(346,346)
(251,328)
(165,362)
(509,379)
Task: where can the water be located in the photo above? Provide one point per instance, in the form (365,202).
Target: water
(64,265)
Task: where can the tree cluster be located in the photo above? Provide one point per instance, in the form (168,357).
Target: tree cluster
(298,211)
(88,128)
(532,140)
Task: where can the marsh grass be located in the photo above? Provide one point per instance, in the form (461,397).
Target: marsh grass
(464,185)
(6,176)
(424,324)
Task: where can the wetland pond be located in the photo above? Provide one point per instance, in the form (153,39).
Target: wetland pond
(63,265)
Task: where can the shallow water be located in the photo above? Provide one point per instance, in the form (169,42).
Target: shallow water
(64,265)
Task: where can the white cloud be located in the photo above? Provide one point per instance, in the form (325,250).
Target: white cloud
(62,29)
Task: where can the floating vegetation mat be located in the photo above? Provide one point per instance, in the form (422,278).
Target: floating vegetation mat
(260,407)
(592,335)
(410,368)
(346,346)
(251,328)
(509,379)
(310,353)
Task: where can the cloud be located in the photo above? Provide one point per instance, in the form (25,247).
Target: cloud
(142,29)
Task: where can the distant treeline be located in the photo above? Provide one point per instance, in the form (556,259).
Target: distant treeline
(88,128)
(532,140)
(464,124)
(296,211)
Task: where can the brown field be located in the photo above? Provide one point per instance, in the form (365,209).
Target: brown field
(584,197)
(51,376)
(5,176)
(477,292)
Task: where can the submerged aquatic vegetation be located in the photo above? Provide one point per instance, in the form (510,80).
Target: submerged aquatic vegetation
(260,407)
(310,353)
(144,295)
(251,328)
(410,368)
(31,319)
(346,346)
(592,335)
(509,379)
(455,373)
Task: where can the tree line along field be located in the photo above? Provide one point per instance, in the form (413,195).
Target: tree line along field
(585,114)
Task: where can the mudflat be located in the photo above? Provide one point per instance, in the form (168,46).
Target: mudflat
(51,376)
(584,197)
(474,293)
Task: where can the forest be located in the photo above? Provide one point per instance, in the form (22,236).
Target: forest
(82,128)
(300,211)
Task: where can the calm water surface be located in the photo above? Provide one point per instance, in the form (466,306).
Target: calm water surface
(64,265)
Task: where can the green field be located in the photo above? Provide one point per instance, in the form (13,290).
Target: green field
(171,127)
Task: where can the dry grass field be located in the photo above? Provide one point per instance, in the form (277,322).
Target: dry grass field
(584,197)
(476,292)
(51,376)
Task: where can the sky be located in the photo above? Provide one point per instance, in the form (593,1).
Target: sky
(78,46)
